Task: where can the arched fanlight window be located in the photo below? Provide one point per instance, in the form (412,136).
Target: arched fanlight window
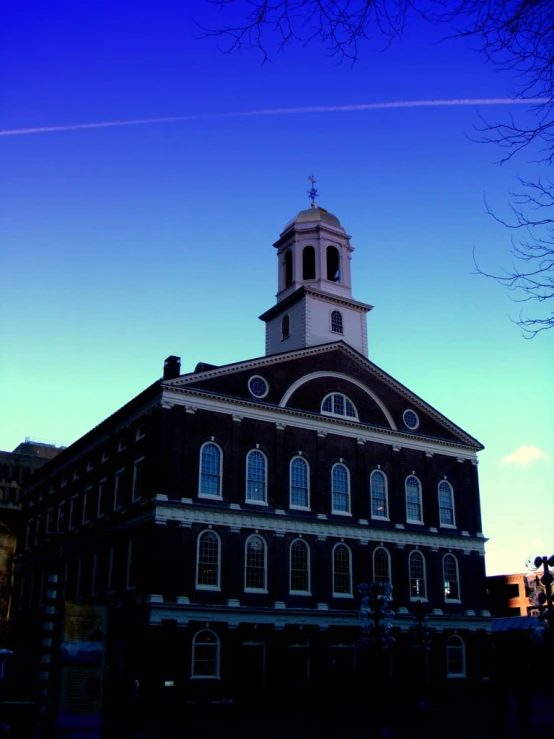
(285,327)
(337,404)
(210,471)
(455,657)
(342,570)
(205,655)
(451,577)
(333,264)
(299,483)
(413,500)
(255,566)
(256,477)
(208,561)
(418,586)
(340,488)
(308,263)
(446,504)
(299,567)
(336,322)
(288,268)
(379,497)
(381,565)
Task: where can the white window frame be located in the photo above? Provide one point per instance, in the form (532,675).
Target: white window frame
(219,496)
(217,646)
(374,515)
(389,569)
(291,504)
(50,520)
(201,586)
(461,645)
(71,523)
(250,589)
(60,516)
(414,520)
(309,568)
(350,594)
(339,322)
(117,506)
(285,336)
(251,501)
(140,460)
(456,565)
(412,556)
(141,432)
(121,445)
(348,492)
(333,414)
(441,523)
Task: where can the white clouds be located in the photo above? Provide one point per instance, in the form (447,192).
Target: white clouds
(525,455)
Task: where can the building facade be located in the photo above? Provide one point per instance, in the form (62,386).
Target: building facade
(226,517)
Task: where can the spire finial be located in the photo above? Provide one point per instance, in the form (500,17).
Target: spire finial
(313,193)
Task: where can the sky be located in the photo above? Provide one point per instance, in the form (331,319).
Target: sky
(123,244)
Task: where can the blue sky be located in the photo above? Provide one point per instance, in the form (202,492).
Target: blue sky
(124,244)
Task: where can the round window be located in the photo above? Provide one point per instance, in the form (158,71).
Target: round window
(258,386)
(411,420)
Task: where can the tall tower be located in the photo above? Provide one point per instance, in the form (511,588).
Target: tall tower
(314,298)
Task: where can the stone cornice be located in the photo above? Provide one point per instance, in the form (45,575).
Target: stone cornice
(289,524)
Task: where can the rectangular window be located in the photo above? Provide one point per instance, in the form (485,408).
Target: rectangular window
(138,472)
(28,534)
(61,516)
(102,486)
(111,567)
(38,530)
(118,490)
(79,577)
(87,505)
(130,578)
(50,520)
(94,574)
(72,512)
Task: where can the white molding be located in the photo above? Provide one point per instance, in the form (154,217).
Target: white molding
(172,511)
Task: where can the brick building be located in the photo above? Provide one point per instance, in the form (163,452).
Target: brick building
(226,516)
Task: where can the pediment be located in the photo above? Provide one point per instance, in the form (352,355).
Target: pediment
(299,381)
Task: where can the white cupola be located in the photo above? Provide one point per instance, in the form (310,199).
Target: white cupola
(314,298)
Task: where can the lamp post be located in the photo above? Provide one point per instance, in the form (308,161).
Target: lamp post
(421,636)
(542,599)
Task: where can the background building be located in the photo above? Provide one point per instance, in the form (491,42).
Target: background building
(225,517)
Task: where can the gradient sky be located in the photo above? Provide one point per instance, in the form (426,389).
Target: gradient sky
(124,244)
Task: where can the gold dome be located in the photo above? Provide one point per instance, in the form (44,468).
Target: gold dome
(313,215)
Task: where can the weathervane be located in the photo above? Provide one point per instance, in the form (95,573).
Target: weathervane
(313,193)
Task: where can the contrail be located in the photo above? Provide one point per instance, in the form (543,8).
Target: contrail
(283,111)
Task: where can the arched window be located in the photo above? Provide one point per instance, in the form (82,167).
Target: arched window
(342,570)
(455,657)
(379,498)
(299,483)
(337,404)
(205,655)
(413,500)
(418,588)
(381,565)
(299,567)
(446,504)
(308,263)
(340,484)
(208,559)
(256,477)
(336,322)
(285,327)
(255,564)
(333,264)
(288,268)
(451,577)
(210,471)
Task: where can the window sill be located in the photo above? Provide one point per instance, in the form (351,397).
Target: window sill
(213,588)
(299,508)
(452,600)
(447,526)
(341,513)
(417,523)
(342,595)
(456,677)
(205,677)
(299,592)
(210,497)
(415,598)
(380,518)
(256,590)
(256,502)
(136,500)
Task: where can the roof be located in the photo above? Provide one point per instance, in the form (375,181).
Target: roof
(313,215)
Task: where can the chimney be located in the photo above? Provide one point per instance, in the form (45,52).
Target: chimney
(172,368)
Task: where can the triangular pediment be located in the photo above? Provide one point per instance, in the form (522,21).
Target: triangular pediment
(299,380)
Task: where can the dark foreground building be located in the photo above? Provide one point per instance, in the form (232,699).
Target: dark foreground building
(226,517)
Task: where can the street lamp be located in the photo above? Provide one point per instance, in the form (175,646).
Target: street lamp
(421,635)
(542,599)
(374,609)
